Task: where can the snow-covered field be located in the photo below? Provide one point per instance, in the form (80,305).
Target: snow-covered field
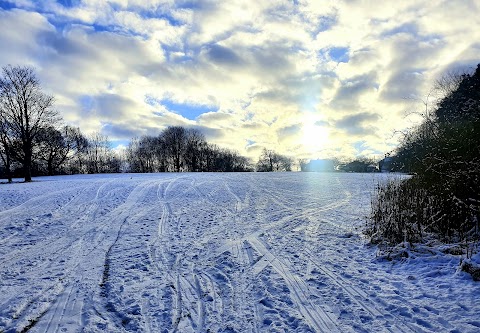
(276,252)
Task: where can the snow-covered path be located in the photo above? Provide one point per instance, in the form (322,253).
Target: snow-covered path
(213,253)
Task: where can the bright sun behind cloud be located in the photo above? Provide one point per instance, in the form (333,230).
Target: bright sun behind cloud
(271,73)
(315,136)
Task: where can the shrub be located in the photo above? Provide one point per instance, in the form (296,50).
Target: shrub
(442,199)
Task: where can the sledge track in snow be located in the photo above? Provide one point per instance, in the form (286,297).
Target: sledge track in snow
(184,253)
(318,318)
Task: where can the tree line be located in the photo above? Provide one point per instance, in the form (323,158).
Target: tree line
(179,149)
(33,140)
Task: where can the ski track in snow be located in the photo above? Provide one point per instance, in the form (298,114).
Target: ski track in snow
(213,253)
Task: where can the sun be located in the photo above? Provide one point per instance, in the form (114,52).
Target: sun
(314,136)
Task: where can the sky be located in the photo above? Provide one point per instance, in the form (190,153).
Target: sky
(308,79)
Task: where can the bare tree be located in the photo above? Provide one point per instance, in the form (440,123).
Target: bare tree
(55,147)
(195,141)
(272,161)
(6,151)
(175,138)
(80,144)
(25,109)
(98,154)
(448,83)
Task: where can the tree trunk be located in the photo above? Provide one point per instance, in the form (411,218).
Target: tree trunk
(27,163)
(50,167)
(7,170)
(27,168)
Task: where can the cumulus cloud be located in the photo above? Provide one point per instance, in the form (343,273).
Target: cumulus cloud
(248,74)
(350,90)
(358,124)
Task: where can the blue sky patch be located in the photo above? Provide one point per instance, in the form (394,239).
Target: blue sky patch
(100,28)
(187,110)
(360,145)
(117,143)
(6,5)
(339,54)
(68,3)
(250,143)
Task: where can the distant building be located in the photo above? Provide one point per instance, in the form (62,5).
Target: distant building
(319,166)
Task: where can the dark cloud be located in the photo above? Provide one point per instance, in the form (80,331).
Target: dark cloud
(214,117)
(276,94)
(469,61)
(120,130)
(322,123)
(351,89)
(210,133)
(304,91)
(252,126)
(358,124)
(113,107)
(406,28)
(223,55)
(272,58)
(289,131)
(307,88)
(364,56)
(325,23)
(254,148)
(18,37)
(408,66)
(403,85)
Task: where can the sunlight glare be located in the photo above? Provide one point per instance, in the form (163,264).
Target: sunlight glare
(315,137)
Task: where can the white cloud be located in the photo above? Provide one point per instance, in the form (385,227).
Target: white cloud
(264,66)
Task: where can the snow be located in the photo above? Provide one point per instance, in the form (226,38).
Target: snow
(246,252)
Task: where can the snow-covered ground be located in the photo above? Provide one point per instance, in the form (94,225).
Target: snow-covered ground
(276,252)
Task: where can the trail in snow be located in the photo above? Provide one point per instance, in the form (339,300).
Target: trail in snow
(213,253)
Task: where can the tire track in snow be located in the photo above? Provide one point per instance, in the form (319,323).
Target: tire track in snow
(322,321)
(49,241)
(126,212)
(240,282)
(187,307)
(68,299)
(318,318)
(225,287)
(208,302)
(355,294)
(242,295)
(157,258)
(249,262)
(213,303)
(361,299)
(200,305)
(58,308)
(69,251)
(232,246)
